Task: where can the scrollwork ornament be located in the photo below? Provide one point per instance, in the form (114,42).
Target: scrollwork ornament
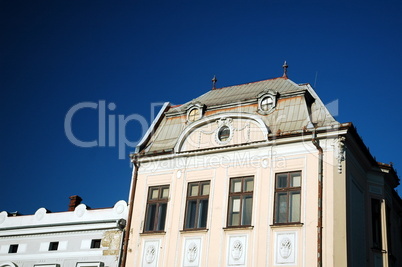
(341,152)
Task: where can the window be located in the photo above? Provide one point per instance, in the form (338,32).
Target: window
(194,114)
(53,246)
(95,243)
(376,223)
(240,201)
(13,248)
(287,197)
(156,208)
(266,103)
(197,205)
(224,133)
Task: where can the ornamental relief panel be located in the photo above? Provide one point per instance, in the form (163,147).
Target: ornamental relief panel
(237,251)
(285,248)
(150,253)
(224,132)
(192,252)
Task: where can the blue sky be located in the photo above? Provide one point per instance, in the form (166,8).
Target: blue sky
(131,56)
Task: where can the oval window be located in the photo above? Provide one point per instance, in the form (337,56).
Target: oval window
(224,133)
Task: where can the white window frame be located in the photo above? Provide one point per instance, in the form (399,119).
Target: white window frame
(90,264)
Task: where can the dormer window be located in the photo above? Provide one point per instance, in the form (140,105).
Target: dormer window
(194,115)
(195,112)
(266,102)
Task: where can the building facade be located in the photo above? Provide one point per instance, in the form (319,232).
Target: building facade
(260,174)
(81,237)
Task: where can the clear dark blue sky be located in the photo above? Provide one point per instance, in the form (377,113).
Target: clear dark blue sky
(57,54)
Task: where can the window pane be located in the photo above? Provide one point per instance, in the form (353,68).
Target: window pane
(249,184)
(295,179)
(234,219)
(294,214)
(161,217)
(234,214)
(191,211)
(281,180)
(236,185)
(194,190)
(154,193)
(247,210)
(165,192)
(205,189)
(202,213)
(281,208)
(150,221)
(236,205)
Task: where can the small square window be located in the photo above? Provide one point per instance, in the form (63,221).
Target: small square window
(13,248)
(96,243)
(53,246)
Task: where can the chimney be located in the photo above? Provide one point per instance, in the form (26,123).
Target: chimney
(74,202)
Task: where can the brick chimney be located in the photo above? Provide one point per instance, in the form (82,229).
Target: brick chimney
(74,202)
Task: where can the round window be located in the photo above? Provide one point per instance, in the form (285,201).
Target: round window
(194,114)
(266,103)
(224,133)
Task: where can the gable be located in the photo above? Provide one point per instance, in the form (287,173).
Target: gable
(222,129)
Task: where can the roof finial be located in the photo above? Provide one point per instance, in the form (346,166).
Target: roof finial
(214,80)
(285,70)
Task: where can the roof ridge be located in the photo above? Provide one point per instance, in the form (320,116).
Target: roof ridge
(241,84)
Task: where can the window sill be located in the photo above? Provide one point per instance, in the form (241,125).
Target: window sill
(235,228)
(152,233)
(185,231)
(287,225)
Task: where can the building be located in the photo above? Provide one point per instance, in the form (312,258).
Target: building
(80,237)
(260,174)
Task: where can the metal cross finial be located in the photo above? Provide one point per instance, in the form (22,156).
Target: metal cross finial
(214,80)
(285,70)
